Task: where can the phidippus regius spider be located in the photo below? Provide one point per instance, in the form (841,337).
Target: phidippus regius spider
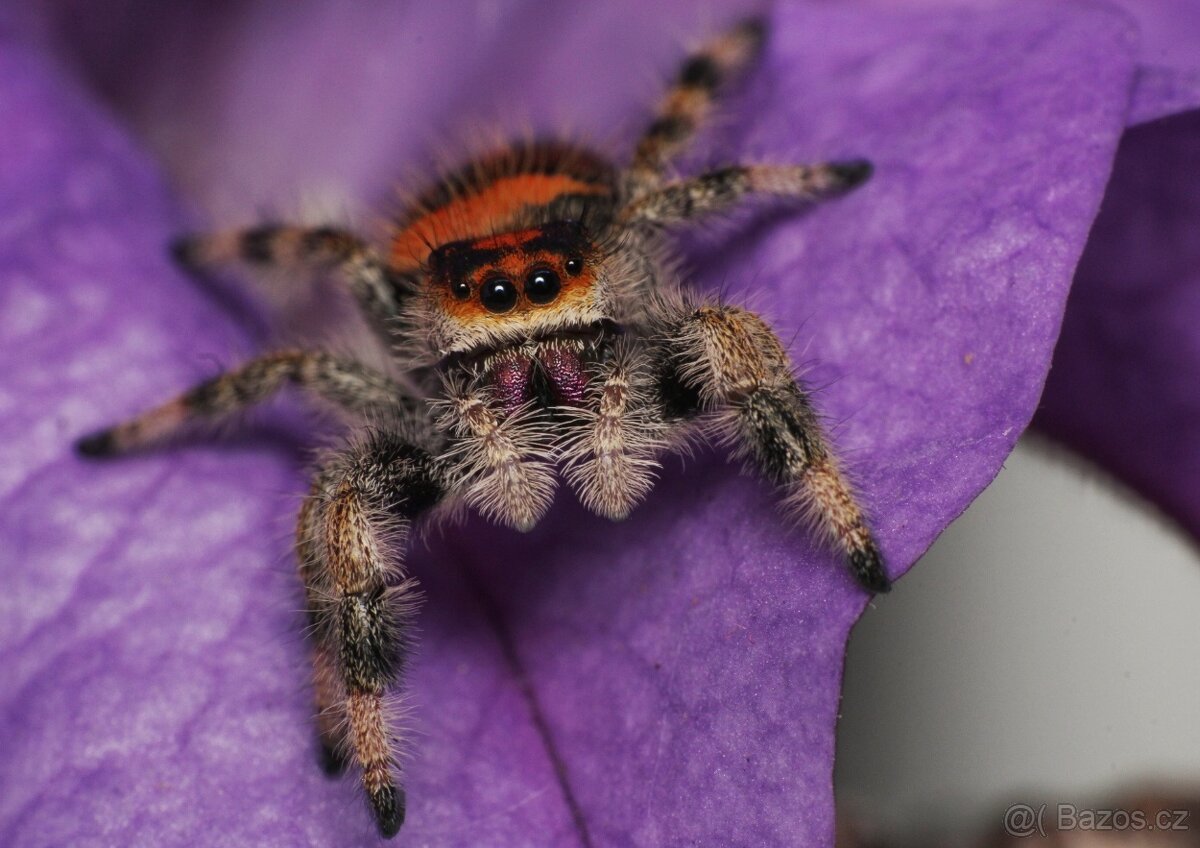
(527,297)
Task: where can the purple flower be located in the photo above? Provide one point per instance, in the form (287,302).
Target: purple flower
(670,680)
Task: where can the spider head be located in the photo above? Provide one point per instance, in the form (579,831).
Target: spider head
(501,289)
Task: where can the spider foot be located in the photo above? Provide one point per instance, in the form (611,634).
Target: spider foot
(867,565)
(98,444)
(852,173)
(389,804)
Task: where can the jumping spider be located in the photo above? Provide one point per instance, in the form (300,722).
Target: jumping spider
(527,297)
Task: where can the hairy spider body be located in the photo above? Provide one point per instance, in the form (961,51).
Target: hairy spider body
(527,297)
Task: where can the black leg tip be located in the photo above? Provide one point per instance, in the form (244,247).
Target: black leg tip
(852,173)
(877,583)
(868,569)
(183,251)
(754,30)
(100,443)
(390,806)
(331,762)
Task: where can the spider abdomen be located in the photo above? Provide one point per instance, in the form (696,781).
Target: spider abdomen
(520,185)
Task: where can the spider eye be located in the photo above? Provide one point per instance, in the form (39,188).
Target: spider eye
(498,294)
(461,289)
(542,285)
(574,266)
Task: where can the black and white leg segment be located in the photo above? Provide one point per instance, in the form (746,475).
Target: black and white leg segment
(719,191)
(343,383)
(741,372)
(305,250)
(504,461)
(613,460)
(351,540)
(780,431)
(690,99)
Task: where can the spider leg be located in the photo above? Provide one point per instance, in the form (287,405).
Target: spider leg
(690,100)
(351,537)
(612,461)
(347,384)
(327,683)
(729,362)
(718,191)
(304,249)
(505,460)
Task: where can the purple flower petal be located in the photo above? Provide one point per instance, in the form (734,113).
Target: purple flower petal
(1123,387)
(1168,76)
(680,670)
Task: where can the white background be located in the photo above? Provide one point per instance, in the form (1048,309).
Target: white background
(1047,649)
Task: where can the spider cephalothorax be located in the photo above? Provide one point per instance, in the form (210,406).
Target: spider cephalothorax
(528,300)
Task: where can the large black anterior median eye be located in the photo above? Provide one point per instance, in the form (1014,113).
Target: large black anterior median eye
(542,285)
(498,294)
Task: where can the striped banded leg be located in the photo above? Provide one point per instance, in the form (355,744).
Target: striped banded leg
(304,249)
(352,535)
(347,384)
(691,99)
(718,191)
(739,370)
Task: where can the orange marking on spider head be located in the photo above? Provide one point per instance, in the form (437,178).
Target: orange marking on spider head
(492,208)
(534,278)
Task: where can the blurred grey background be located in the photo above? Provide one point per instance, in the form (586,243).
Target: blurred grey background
(1047,648)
